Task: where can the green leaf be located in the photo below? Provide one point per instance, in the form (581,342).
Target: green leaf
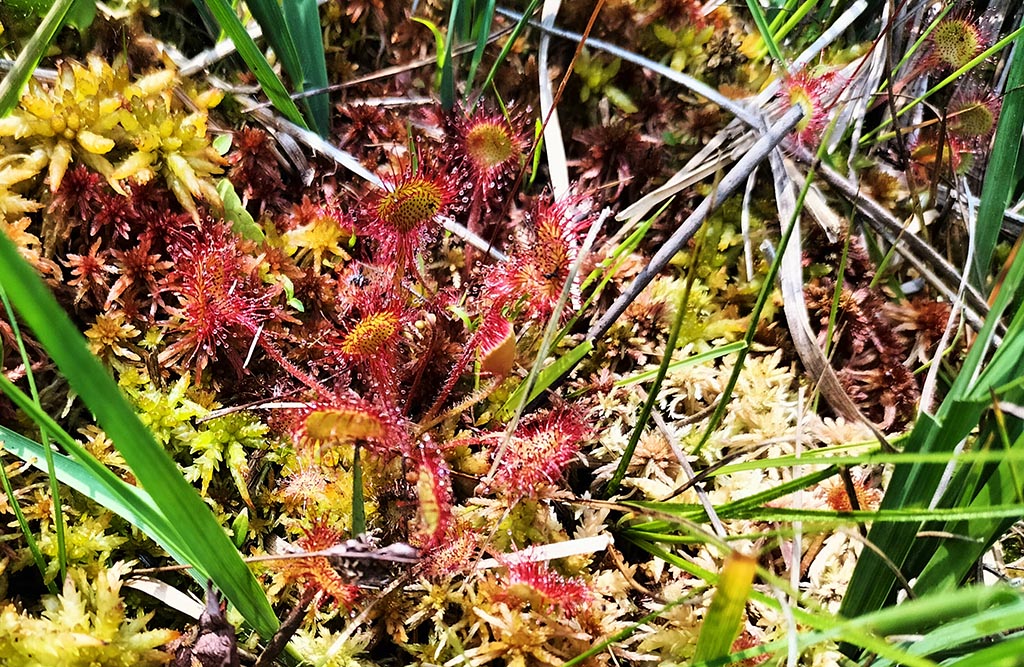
(447,91)
(303,20)
(254,58)
(509,43)
(483,29)
(235,213)
(560,367)
(79,16)
(699,358)
(952,560)
(90,478)
(222,144)
(765,31)
(439,41)
(999,175)
(722,623)
(194,531)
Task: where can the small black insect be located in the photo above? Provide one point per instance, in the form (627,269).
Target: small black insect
(359,279)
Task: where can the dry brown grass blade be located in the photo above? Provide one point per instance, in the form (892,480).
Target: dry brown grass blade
(791,279)
(554,145)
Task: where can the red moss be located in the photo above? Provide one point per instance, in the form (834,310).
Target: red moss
(139,270)
(745,641)
(84,198)
(254,167)
(317,571)
(90,273)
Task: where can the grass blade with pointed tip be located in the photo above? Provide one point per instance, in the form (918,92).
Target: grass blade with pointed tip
(999,174)
(722,623)
(253,57)
(191,521)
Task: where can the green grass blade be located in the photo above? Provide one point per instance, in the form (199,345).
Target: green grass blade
(509,43)
(447,91)
(761,21)
(702,357)
(948,622)
(358,502)
(913,485)
(303,19)
(652,393)
(695,512)
(186,513)
(975,627)
(833,517)
(58,513)
(277,31)
(953,559)
(253,57)
(28,58)
(724,619)
(873,457)
(826,628)
(100,484)
(26,530)
(483,29)
(1005,653)
(999,174)
(545,378)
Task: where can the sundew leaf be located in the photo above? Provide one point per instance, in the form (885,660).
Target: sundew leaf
(195,531)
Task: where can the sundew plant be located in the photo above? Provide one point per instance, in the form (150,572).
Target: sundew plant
(457,333)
